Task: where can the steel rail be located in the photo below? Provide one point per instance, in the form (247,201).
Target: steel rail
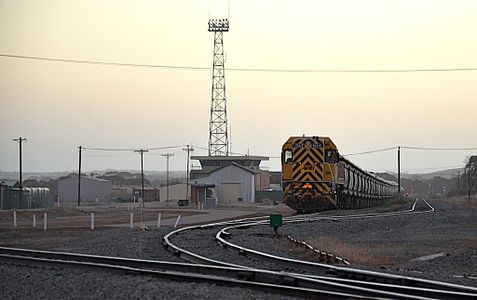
(443,290)
(274,282)
(432,293)
(193,257)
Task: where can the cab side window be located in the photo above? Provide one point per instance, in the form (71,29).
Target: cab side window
(288,156)
(331,156)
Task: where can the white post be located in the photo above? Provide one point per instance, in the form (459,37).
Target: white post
(34,221)
(45,221)
(131,220)
(92,221)
(158,220)
(177,221)
(15,218)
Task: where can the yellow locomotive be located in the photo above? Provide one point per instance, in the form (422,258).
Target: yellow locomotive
(315,178)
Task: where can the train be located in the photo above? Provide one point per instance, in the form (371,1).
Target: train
(315,177)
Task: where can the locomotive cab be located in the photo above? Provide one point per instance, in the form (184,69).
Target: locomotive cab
(309,173)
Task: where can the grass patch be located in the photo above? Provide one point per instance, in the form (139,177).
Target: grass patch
(462,201)
(369,255)
(401,200)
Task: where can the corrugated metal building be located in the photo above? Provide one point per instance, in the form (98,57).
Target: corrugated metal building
(235,183)
(92,189)
(150,194)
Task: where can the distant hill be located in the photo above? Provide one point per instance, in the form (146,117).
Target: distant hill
(45,176)
(447,174)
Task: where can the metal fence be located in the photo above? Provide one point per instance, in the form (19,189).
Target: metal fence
(10,199)
(274,197)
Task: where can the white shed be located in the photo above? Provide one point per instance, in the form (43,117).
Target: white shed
(235,183)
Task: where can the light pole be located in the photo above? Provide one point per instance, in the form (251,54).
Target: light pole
(167,156)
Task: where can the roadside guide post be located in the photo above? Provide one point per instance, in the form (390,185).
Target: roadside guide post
(276,221)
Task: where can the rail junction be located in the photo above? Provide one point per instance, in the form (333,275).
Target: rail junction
(257,270)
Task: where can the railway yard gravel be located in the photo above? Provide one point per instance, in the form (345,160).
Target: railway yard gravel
(385,244)
(24,282)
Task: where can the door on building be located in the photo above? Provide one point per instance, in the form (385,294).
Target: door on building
(230,192)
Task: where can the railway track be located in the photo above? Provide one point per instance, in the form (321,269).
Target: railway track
(251,269)
(306,270)
(272,282)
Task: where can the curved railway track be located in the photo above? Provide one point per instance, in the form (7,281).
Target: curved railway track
(298,270)
(252,269)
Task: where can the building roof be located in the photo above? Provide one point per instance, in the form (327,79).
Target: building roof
(85,178)
(8,182)
(230,158)
(209,163)
(233,164)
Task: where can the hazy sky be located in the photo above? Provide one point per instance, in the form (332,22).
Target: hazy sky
(59,106)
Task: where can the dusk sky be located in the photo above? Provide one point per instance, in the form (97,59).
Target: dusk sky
(59,106)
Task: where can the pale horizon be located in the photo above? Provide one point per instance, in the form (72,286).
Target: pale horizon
(60,106)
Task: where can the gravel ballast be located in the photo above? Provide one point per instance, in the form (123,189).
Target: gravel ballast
(386,244)
(392,243)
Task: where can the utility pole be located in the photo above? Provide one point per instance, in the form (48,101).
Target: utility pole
(167,156)
(141,151)
(20,141)
(79,175)
(458,183)
(399,171)
(189,150)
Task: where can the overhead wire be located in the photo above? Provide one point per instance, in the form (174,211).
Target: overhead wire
(444,168)
(439,148)
(269,70)
(40,146)
(371,151)
(131,149)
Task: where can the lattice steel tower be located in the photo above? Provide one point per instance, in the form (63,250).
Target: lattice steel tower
(218,137)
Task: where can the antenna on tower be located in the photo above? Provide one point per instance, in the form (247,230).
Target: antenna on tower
(218,135)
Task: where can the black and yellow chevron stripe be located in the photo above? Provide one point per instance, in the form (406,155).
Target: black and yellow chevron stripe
(308,164)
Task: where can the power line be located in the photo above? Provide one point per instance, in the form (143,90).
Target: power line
(413,148)
(37,145)
(165,148)
(444,168)
(371,151)
(120,64)
(107,149)
(438,148)
(130,149)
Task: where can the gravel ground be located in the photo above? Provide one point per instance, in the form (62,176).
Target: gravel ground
(20,282)
(70,283)
(391,243)
(202,242)
(387,244)
(122,242)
